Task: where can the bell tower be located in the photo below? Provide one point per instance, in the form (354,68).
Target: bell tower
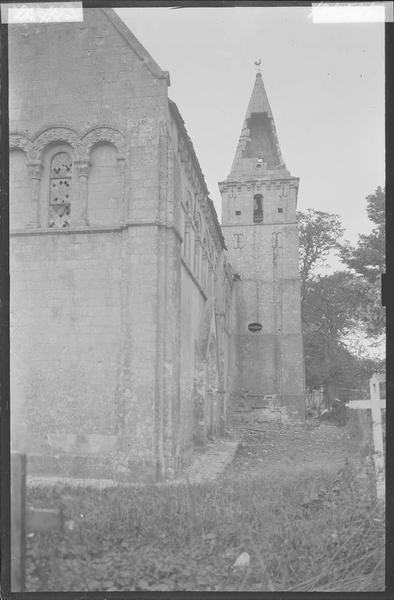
(259,199)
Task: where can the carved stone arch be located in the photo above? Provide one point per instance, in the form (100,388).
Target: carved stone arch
(21,141)
(102,133)
(57,125)
(56,133)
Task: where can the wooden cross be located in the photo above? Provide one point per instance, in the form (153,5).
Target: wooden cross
(375,403)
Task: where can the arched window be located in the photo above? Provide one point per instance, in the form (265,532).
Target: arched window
(60,190)
(204,271)
(257,208)
(21,205)
(186,238)
(198,224)
(211,282)
(105,185)
(204,262)
(188,202)
(196,258)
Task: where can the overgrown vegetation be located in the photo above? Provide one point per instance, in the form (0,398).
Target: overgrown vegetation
(367,261)
(312,532)
(341,303)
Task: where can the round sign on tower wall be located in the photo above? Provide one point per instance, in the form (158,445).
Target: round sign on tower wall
(255,327)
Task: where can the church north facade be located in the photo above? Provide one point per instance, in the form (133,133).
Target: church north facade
(130,304)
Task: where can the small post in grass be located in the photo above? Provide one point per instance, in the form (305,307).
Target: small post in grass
(18,521)
(26,519)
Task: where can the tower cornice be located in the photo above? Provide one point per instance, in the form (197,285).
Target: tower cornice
(257,183)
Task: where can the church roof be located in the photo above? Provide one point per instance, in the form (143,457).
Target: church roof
(174,110)
(135,45)
(258,153)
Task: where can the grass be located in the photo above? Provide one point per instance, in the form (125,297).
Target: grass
(319,532)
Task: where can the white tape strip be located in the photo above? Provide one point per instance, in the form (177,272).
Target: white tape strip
(373,12)
(56,12)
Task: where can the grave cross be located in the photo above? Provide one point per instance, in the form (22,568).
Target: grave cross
(375,403)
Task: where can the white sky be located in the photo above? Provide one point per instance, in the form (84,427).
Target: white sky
(325,84)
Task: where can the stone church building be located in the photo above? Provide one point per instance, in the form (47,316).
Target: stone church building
(137,320)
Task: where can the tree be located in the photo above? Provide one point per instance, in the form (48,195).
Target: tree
(332,303)
(329,312)
(330,363)
(367,261)
(332,306)
(319,232)
(368,257)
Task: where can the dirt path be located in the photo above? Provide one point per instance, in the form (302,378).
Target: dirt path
(271,446)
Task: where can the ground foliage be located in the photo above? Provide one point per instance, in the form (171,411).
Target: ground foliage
(305,530)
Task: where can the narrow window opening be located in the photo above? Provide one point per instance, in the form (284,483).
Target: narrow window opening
(60,184)
(280,210)
(238,212)
(257,208)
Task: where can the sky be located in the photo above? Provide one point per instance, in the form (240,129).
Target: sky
(325,85)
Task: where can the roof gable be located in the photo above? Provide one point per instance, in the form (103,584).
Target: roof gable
(135,45)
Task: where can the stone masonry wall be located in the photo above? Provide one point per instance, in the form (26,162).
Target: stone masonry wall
(265,256)
(84,300)
(120,302)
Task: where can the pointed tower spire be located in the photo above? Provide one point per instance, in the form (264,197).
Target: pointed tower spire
(258,152)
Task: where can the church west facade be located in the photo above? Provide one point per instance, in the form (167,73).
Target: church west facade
(130,305)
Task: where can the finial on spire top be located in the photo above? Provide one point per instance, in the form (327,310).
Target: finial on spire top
(258,65)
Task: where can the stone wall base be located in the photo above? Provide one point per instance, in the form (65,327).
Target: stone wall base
(92,467)
(293,403)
